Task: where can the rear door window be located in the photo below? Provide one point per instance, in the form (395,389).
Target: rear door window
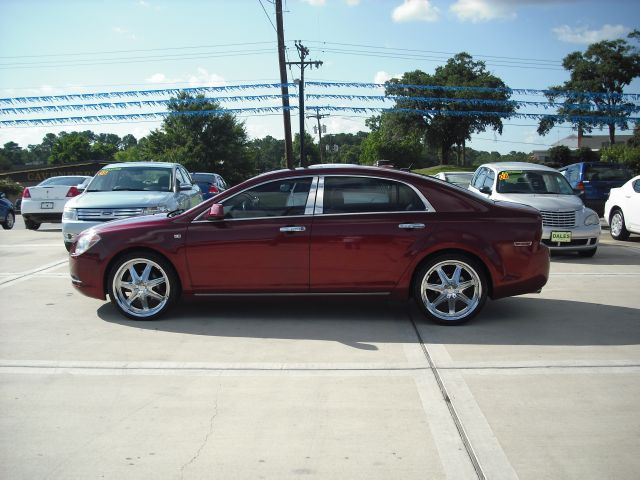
(368,195)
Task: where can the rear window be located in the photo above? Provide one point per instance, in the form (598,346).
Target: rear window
(67,181)
(606,173)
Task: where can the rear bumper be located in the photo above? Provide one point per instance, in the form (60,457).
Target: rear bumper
(39,217)
(535,263)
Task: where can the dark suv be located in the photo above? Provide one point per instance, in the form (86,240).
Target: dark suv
(595,179)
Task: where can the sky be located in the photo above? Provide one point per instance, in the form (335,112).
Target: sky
(64,47)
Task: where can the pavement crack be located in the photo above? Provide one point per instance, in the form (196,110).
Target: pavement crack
(212,419)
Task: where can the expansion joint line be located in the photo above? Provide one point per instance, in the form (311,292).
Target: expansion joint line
(445,395)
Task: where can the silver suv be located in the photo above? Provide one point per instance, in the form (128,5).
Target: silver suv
(567,225)
(122,190)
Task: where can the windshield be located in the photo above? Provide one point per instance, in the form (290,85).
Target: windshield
(153,179)
(533,181)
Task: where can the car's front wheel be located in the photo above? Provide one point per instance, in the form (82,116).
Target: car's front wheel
(142,285)
(451,289)
(618,228)
(9,221)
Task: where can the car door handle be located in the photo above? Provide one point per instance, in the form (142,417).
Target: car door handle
(411,226)
(292,229)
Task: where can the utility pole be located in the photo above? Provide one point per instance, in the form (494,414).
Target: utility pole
(303,52)
(318,117)
(286,113)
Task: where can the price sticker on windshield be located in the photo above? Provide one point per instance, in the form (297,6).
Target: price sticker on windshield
(503,176)
(102,173)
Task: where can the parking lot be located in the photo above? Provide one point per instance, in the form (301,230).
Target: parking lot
(538,386)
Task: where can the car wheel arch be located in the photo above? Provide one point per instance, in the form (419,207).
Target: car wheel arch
(453,251)
(141,251)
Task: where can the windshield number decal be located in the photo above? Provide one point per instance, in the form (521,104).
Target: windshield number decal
(504,176)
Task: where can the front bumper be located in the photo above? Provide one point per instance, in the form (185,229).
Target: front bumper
(72,228)
(582,238)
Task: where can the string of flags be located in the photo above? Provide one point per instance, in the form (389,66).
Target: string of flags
(28,111)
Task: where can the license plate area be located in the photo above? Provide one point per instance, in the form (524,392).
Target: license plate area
(46,205)
(561,237)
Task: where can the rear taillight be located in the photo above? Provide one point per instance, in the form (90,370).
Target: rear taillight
(580,186)
(73,191)
(26,193)
(213,189)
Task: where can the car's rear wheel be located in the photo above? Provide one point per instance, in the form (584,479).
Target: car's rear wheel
(9,221)
(451,289)
(30,224)
(618,228)
(142,285)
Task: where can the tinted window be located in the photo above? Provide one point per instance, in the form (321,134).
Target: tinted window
(636,186)
(274,199)
(365,195)
(606,173)
(183,177)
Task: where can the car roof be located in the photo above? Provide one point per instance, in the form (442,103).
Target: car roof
(518,166)
(142,164)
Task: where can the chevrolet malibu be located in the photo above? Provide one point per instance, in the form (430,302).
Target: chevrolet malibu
(320,231)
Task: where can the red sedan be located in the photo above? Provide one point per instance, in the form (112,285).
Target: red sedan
(321,231)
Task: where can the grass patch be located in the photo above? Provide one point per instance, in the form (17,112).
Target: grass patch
(443,168)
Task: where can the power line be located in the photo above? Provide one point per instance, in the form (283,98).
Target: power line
(552,62)
(268,17)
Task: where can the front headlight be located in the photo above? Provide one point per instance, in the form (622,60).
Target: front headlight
(154,210)
(86,240)
(70,213)
(592,219)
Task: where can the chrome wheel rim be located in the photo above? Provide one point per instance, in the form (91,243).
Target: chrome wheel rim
(141,287)
(616,224)
(451,290)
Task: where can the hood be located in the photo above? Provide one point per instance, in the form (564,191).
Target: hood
(549,203)
(132,222)
(120,199)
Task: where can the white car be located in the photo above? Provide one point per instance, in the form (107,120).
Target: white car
(567,225)
(45,202)
(622,209)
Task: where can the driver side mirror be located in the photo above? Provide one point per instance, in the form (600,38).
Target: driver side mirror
(216,212)
(486,190)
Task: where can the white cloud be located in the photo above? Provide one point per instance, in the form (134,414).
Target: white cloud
(382,76)
(142,3)
(415,10)
(583,35)
(202,78)
(483,10)
(316,3)
(353,3)
(124,32)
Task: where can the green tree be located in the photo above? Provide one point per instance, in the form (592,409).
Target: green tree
(268,153)
(560,155)
(14,154)
(605,68)
(214,142)
(70,148)
(311,151)
(441,129)
(629,154)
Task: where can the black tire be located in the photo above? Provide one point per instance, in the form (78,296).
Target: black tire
(587,253)
(618,228)
(30,224)
(462,302)
(9,221)
(154,295)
